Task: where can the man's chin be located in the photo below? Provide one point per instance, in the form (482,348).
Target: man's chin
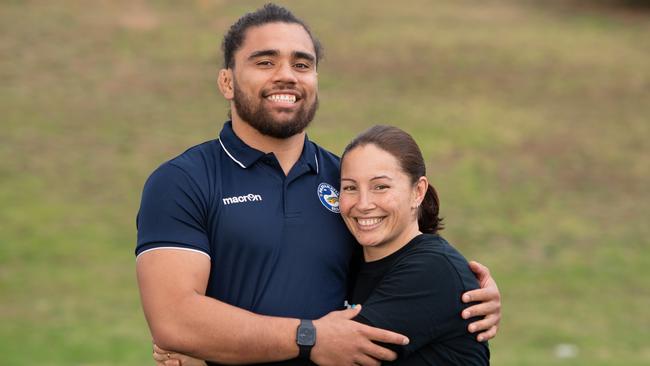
(283,115)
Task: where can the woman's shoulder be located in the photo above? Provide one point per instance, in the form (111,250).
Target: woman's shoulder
(431,246)
(433,252)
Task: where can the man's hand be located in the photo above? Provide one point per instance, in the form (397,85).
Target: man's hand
(341,341)
(490,304)
(169,358)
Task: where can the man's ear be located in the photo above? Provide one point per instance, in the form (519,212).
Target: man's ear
(225,81)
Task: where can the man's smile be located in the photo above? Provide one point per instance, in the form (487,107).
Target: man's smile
(282,98)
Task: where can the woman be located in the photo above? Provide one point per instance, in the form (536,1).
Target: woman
(410,279)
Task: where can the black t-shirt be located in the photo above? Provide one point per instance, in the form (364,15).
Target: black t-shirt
(416,291)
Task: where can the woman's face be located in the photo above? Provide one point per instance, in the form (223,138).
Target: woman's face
(378,201)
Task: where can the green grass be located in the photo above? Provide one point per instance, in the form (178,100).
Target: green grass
(533,117)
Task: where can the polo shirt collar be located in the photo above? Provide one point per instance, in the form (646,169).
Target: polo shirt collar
(309,155)
(236,149)
(245,156)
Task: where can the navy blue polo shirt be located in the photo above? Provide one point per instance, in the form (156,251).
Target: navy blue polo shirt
(276,243)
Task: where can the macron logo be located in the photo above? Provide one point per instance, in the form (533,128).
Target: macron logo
(241,199)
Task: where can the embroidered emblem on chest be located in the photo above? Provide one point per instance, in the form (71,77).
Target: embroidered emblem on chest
(329,197)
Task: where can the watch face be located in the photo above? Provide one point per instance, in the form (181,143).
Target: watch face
(306,336)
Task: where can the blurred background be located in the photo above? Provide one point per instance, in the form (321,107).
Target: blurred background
(534,118)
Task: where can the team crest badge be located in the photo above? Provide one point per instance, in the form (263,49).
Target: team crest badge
(329,197)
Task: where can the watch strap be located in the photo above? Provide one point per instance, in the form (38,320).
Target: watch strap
(305,349)
(305,352)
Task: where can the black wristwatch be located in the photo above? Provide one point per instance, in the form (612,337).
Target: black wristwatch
(305,338)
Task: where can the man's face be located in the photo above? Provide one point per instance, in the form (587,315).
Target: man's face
(275,84)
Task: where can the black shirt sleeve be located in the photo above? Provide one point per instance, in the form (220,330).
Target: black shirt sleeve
(418,297)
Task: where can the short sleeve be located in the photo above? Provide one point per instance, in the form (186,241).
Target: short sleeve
(172,212)
(420,298)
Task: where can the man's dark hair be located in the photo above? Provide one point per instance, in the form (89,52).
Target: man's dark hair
(270,13)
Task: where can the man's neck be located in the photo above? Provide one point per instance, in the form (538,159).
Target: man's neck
(287,151)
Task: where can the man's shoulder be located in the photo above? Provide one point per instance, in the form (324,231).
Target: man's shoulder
(196,155)
(196,163)
(195,159)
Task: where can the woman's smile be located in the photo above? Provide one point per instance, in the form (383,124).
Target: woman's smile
(378,201)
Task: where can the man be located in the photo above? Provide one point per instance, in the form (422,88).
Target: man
(240,244)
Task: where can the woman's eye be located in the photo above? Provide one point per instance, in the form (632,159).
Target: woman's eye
(349,188)
(381,187)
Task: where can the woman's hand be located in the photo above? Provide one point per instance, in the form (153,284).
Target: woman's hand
(490,304)
(168,358)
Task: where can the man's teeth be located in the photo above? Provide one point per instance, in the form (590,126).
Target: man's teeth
(369,222)
(282,98)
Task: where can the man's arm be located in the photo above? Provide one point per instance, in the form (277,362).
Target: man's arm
(490,306)
(181,318)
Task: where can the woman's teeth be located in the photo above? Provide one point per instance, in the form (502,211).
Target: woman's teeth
(369,222)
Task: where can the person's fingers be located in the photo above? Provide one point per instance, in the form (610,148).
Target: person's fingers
(482,294)
(160,363)
(377,353)
(382,335)
(487,335)
(482,309)
(366,361)
(347,313)
(160,357)
(165,357)
(479,270)
(160,350)
(483,324)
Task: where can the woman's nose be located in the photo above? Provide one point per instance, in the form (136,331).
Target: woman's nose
(366,201)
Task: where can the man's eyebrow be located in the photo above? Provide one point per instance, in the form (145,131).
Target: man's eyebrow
(304,55)
(296,54)
(262,53)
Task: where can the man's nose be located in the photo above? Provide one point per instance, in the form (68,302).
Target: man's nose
(285,73)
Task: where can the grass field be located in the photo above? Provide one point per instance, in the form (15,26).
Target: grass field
(534,118)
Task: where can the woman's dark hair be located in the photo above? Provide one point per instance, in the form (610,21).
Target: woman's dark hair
(401,145)
(270,13)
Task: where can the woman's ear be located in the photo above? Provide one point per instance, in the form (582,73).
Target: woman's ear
(225,82)
(421,187)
